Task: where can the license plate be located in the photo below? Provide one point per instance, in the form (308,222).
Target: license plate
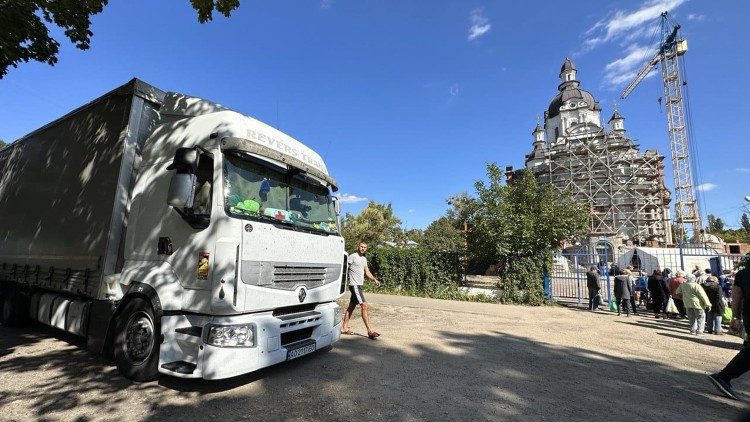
(300,351)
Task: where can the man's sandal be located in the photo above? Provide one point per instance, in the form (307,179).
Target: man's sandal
(373,335)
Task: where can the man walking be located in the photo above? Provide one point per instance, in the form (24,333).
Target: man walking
(740,363)
(594,284)
(357,271)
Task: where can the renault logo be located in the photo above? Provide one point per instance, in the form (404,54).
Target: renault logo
(302,295)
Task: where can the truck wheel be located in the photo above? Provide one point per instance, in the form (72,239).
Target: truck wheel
(12,309)
(136,345)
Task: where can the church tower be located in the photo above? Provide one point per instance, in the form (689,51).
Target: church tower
(571,107)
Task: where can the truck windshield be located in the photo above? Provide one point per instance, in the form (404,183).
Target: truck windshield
(258,191)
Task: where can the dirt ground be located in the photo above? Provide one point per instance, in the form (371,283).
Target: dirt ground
(436,360)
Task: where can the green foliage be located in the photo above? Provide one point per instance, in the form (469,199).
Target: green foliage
(678,233)
(25,26)
(415,271)
(715,225)
(733,235)
(2,144)
(205,8)
(744,262)
(415,235)
(519,227)
(444,234)
(375,224)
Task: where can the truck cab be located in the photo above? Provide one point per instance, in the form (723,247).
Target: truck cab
(235,226)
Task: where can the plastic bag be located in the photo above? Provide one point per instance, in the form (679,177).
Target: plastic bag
(671,307)
(726,317)
(613,305)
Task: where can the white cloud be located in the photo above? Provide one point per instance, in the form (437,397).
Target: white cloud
(411,211)
(696,17)
(347,198)
(480,25)
(705,187)
(623,70)
(628,23)
(326,4)
(455,90)
(743,170)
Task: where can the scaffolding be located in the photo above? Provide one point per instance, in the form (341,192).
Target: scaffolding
(603,168)
(625,189)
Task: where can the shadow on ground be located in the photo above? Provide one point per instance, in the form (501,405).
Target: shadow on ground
(482,376)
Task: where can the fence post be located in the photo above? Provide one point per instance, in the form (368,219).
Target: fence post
(682,258)
(547,286)
(578,278)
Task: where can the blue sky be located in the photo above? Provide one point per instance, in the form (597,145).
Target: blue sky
(407,101)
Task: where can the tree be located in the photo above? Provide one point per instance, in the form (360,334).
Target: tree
(444,234)
(25,26)
(2,144)
(375,224)
(745,221)
(715,225)
(415,235)
(678,233)
(520,226)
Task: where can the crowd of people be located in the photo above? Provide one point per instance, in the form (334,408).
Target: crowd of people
(703,299)
(707,300)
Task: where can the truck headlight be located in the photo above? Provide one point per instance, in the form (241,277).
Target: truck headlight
(337,315)
(237,335)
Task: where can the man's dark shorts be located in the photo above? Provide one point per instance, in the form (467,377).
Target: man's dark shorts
(358,296)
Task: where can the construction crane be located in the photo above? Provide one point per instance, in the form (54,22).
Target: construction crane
(671,49)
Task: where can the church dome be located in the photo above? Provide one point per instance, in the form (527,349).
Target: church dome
(568,94)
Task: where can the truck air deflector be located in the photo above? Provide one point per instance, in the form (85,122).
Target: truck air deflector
(246,145)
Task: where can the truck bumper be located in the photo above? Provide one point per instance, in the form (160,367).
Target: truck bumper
(275,337)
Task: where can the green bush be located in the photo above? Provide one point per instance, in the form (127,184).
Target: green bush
(415,271)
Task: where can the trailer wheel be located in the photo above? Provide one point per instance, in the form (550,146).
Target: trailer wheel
(136,345)
(12,309)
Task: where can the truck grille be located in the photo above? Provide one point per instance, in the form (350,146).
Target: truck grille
(288,275)
(295,336)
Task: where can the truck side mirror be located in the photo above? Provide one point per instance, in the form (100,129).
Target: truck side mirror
(185,160)
(336,205)
(181,190)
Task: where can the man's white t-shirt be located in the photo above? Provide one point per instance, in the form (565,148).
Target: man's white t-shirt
(357,264)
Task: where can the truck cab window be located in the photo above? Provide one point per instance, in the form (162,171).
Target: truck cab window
(255,190)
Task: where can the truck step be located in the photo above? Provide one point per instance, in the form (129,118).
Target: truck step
(194,330)
(180,366)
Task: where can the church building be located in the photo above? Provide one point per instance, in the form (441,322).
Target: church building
(603,167)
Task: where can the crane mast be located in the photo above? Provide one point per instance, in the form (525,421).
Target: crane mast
(672,47)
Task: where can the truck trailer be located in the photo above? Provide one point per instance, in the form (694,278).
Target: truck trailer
(175,235)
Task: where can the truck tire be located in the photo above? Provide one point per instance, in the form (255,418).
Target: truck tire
(12,309)
(136,345)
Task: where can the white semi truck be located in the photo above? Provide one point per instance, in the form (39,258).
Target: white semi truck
(175,235)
